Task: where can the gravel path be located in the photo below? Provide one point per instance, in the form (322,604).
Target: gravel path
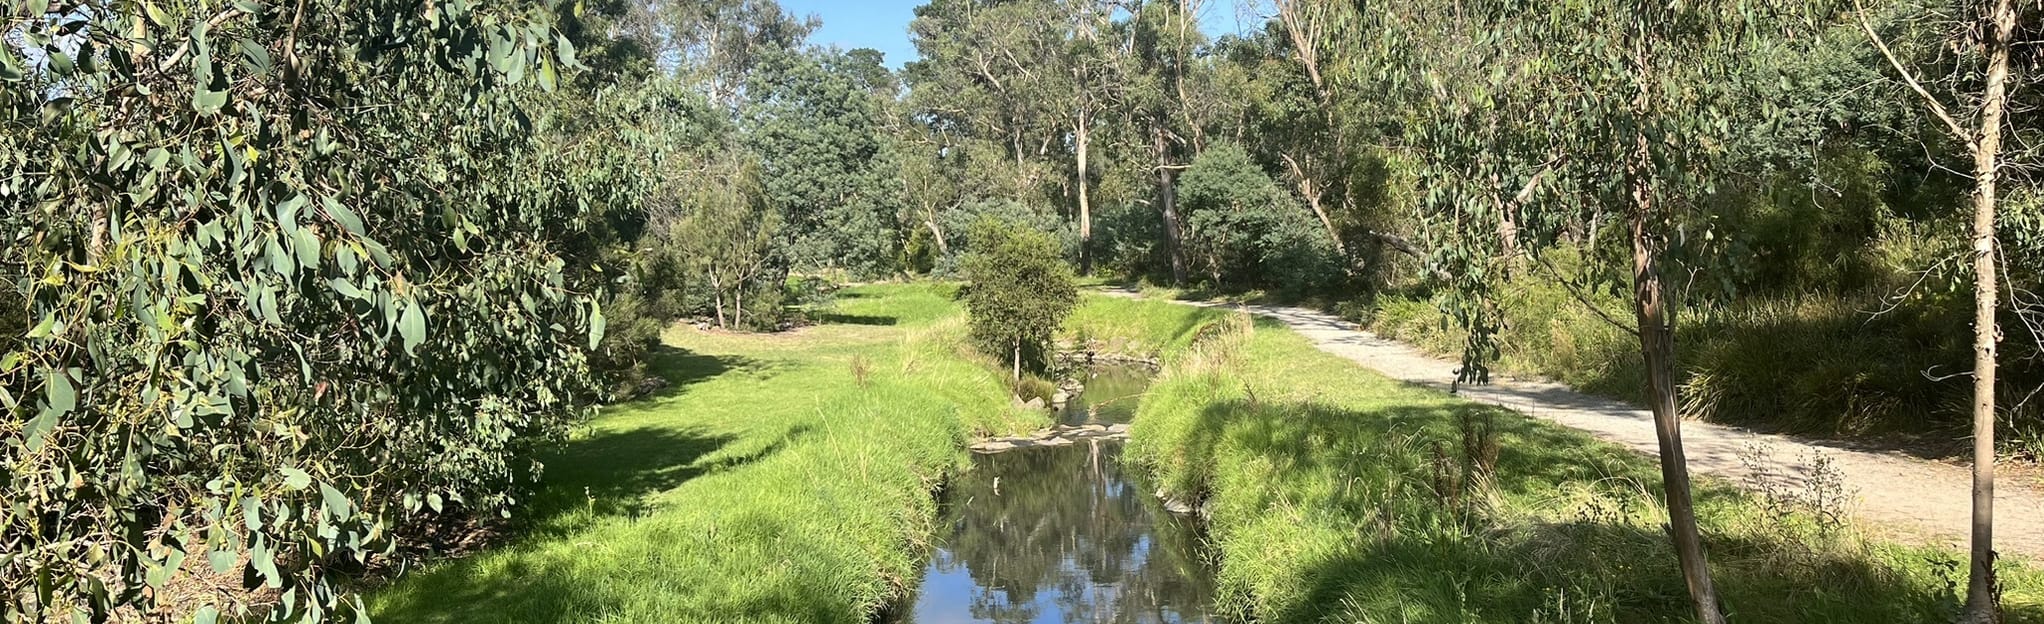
(1912,498)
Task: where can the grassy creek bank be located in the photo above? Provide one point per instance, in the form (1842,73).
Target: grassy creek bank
(780,478)
(1339,495)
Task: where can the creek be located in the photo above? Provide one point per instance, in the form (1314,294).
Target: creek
(1064,533)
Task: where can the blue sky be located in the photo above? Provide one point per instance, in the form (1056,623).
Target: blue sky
(883,24)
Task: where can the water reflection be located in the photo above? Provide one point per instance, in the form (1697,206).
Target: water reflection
(1109,395)
(1062,534)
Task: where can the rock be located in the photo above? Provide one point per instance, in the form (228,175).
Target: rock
(1121,428)
(1094,428)
(993,446)
(1036,403)
(1176,506)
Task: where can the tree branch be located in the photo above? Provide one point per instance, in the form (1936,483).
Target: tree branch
(1580,297)
(1936,108)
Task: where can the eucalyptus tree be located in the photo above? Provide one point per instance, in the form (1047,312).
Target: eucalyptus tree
(1021,290)
(1979,89)
(295,281)
(1086,61)
(1520,113)
(728,233)
(990,78)
(717,44)
(1156,56)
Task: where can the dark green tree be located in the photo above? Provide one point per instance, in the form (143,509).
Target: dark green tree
(1245,232)
(816,119)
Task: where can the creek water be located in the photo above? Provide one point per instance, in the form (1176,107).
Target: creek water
(1064,534)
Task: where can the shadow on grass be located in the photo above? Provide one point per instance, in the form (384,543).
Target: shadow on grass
(856,319)
(681,368)
(1560,530)
(610,475)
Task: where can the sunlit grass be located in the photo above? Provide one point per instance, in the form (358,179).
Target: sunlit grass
(768,484)
(1329,505)
(1133,327)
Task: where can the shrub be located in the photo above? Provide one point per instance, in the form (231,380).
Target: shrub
(960,226)
(1021,292)
(1247,233)
(288,296)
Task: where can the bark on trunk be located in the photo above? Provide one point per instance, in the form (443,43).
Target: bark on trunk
(937,234)
(738,306)
(1980,584)
(1657,350)
(1081,137)
(717,291)
(1018,364)
(1315,195)
(1167,201)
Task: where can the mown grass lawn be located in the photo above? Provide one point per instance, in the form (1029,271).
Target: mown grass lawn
(1341,496)
(781,478)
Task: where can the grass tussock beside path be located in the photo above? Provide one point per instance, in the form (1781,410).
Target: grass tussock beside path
(781,478)
(1340,496)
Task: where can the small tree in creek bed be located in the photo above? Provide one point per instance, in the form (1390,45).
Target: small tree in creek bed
(1021,291)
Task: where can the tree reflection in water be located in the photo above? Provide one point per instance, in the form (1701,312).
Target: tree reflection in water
(1060,534)
(1110,395)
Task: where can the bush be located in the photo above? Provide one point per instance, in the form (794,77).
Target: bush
(960,226)
(1245,232)
(1021,292)
(331,290)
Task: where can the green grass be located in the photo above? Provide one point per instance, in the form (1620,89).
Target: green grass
(1134,327)
(1342,496)
(768,484)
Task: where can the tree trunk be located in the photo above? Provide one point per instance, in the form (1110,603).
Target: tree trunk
(1018,363)
(1657,350)
(738,306)
(943,247)
(1080,136)
(717,290)
(1167,200)
(1980,585)
(1314,195)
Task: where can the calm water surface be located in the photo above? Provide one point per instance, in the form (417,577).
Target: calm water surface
(1063,534)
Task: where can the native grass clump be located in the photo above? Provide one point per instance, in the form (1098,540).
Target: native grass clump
(296,279)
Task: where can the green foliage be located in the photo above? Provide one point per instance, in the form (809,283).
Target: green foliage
(959,230)
(1245,232)
(298,279)
(814,119)
(1021,291)
(731,239)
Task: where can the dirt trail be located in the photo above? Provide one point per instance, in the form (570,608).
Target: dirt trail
(1892,493)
